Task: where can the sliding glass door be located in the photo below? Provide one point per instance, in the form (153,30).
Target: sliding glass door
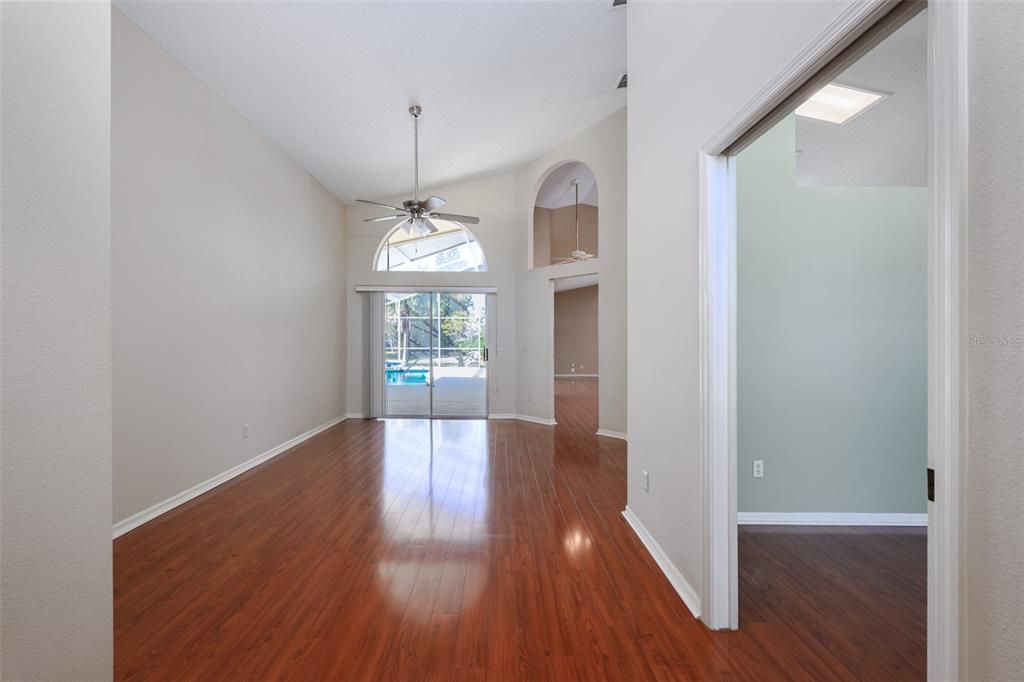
(435,350)
(458,361)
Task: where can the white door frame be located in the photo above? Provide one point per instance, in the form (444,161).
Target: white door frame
(947,232)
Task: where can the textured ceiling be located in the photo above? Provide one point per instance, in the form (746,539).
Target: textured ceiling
(330,82)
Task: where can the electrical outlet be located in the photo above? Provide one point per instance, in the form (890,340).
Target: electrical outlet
(645,480)
(758,468)
(245,430)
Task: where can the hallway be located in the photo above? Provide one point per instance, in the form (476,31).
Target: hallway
(409,549)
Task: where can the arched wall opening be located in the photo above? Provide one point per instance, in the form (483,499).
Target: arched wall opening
(564,220)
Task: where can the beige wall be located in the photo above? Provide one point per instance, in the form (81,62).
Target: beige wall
(576,331)
(55,405)
(602,147)
(541,236)
(666,131)
(562,232)
(228,284)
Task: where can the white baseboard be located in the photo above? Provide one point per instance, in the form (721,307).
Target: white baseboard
(136,520)
(829,519)
(523,418)
(612,434)
(576,375)
(536,420)
(683,588)
(354,415)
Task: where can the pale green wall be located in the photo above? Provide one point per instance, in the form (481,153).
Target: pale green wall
(832,340)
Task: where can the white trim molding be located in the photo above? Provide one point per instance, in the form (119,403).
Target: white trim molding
(848,26)
(621,435)
(717,294)
(353,415)
(536,420)
(947,239)
(523,418)
(830,519)
(414,288)
(678,582)
(146,515)
(947,277)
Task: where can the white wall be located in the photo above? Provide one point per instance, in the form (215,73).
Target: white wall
(55,390)
(692,65)
(228,283)
(831,321)
(492,199)
(994,533)
(602,147)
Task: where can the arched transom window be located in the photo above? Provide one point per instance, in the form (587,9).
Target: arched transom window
(452,248)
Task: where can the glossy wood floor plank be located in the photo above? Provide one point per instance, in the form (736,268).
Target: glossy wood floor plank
(469,550)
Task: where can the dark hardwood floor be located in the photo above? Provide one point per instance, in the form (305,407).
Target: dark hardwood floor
(474,550)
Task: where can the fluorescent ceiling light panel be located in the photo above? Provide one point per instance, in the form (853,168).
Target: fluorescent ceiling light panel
(838,104)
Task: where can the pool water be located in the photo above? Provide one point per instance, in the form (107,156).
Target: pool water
(407,377)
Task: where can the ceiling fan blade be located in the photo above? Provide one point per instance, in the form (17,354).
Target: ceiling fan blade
(433,203)
(377,203)
(385,217)
(456,218)
(433,228)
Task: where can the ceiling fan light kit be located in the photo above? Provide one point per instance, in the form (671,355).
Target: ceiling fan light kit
(417,216)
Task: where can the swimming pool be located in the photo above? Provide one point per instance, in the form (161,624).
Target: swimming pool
(406,377)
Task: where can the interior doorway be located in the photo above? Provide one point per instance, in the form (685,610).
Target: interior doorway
(435,354)
(575,348)
(832,51)
(831,364)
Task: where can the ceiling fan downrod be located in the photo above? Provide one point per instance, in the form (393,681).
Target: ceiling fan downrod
(416,111)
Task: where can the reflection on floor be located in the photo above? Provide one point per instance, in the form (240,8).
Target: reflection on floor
(576,404)
(854,598)
(410,549)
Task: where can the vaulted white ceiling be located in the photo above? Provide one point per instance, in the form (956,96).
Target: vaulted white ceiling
(330,82)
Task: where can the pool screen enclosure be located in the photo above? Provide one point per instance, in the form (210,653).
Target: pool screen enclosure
(435,354)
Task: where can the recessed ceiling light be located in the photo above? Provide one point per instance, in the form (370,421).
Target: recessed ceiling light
(838,104)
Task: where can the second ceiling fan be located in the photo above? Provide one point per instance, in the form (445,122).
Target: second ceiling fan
(577,254)
(417,216)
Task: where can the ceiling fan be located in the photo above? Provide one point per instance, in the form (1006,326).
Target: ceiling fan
(578,254)
(416,215)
